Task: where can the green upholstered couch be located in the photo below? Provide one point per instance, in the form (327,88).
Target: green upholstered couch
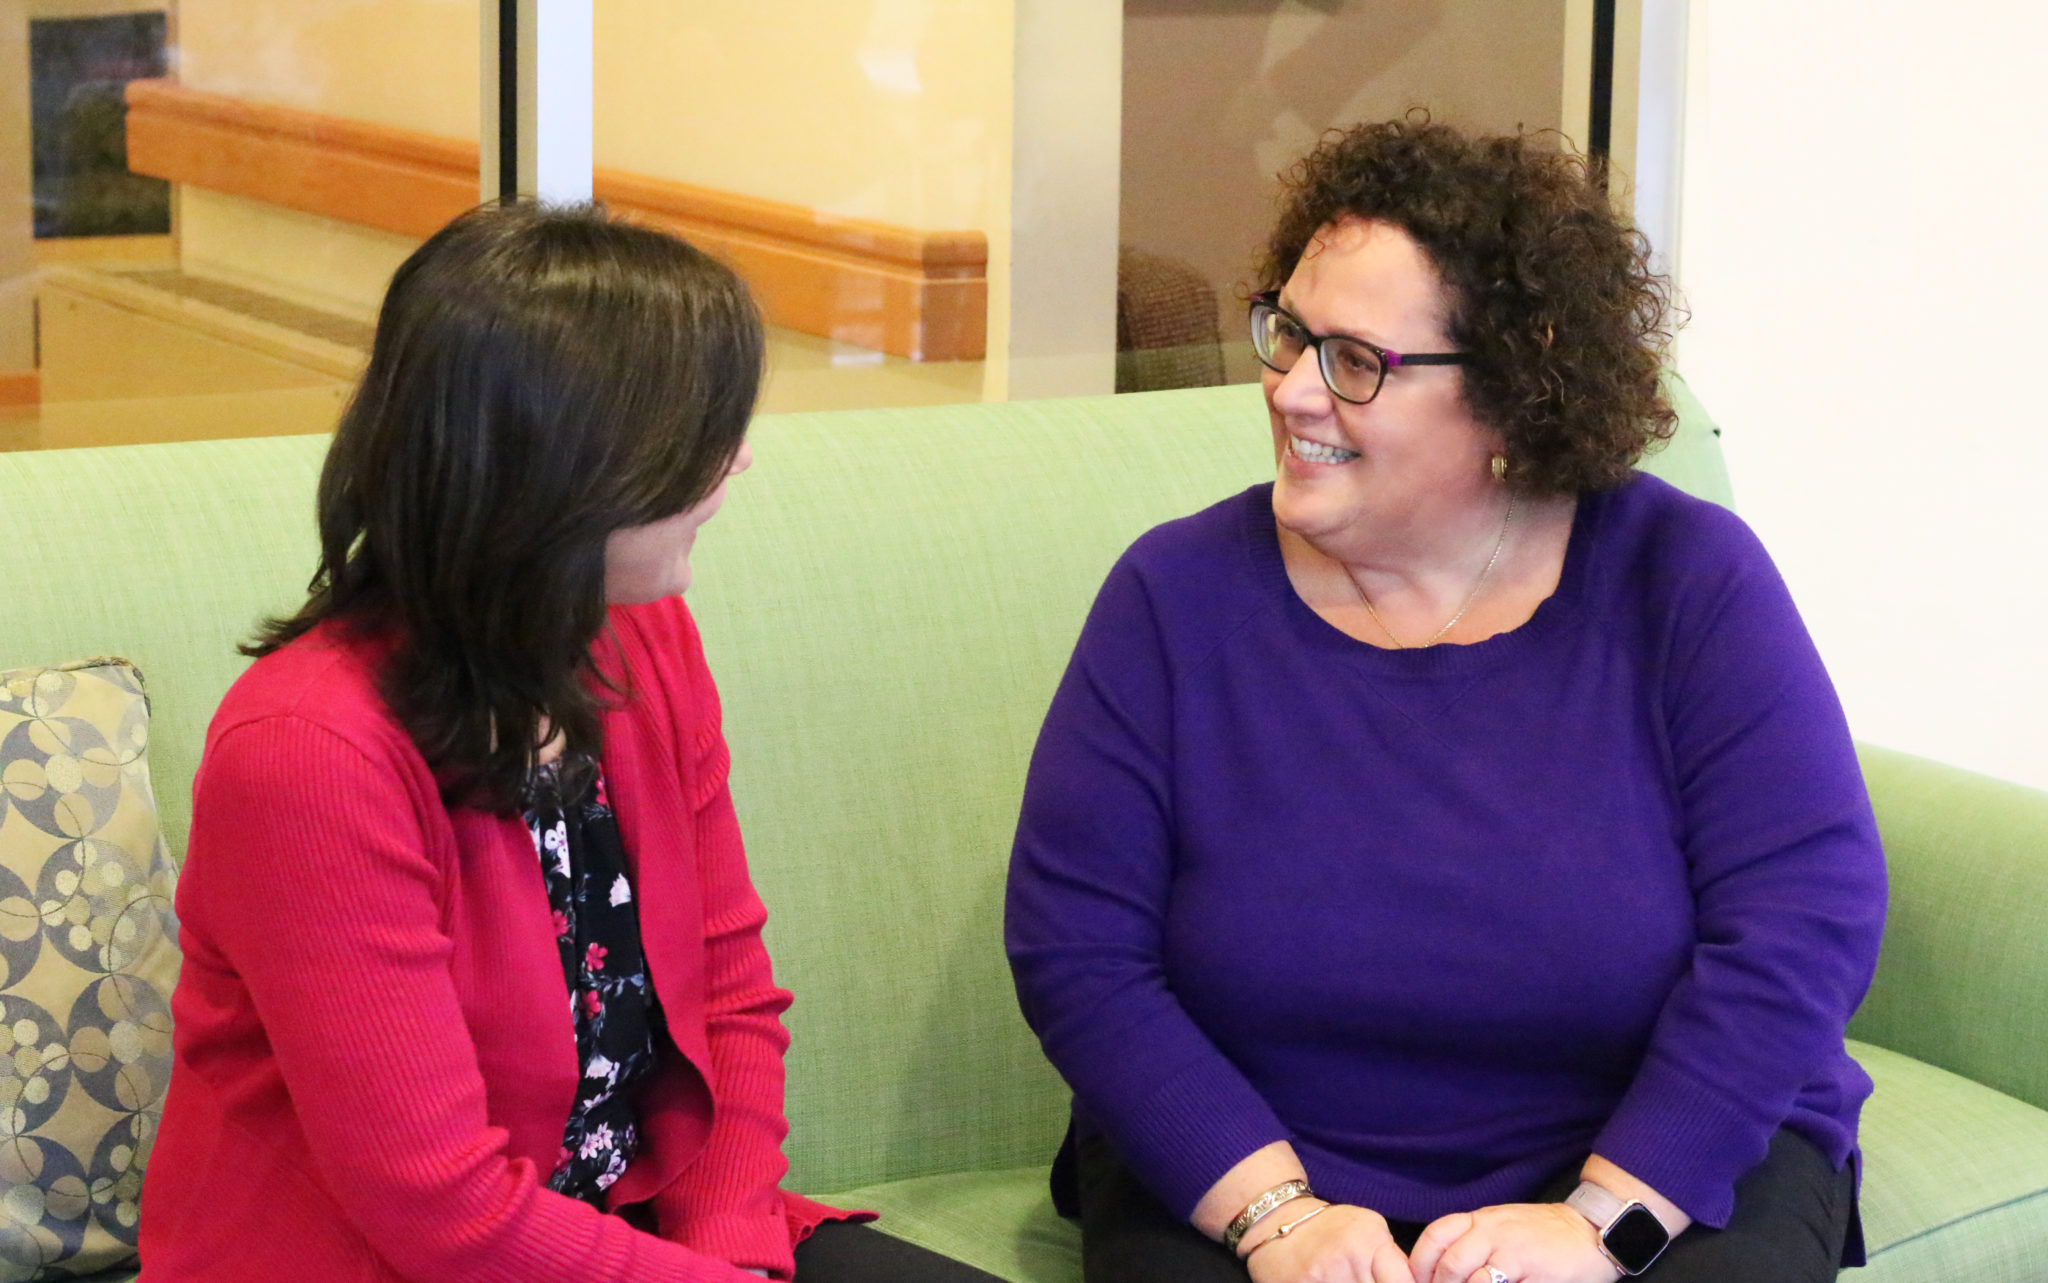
(888,600)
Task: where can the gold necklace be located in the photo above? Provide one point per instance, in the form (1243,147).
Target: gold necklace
(1470,597)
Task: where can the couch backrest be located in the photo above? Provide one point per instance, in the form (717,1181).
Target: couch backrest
(166,555)
(887,601)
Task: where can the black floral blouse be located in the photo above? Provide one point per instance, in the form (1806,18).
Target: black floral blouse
(597,929)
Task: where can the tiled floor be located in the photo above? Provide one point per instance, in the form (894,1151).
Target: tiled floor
(20,427)
(145,315)
(804,373)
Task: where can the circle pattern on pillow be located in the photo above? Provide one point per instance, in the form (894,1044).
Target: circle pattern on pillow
(88,958)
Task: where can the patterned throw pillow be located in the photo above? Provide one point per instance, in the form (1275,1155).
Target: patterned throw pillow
(89,950)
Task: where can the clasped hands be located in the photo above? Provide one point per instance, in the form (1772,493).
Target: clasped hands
(1526,1242)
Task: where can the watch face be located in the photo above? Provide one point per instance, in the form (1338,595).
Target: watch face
(1636,1239)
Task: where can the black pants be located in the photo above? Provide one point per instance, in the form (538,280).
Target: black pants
(839,1252)
(1791,1214)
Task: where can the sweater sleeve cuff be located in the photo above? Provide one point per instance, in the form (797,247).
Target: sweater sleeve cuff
(1685,1140)
(1191,1129)
(749,1242)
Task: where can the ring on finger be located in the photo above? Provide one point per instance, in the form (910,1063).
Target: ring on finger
(1495,1274)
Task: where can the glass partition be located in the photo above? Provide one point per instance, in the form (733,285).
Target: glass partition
(934,202)
(208,198)
(1219,97)
(852,157)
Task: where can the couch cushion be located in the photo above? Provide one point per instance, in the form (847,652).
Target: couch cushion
(1969,875)
(1955,1186)
(167,554)
(89,951)
(887,624)
(1955,1177)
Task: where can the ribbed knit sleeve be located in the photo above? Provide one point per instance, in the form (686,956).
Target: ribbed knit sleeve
(1085,915)
(316,881)
(726,1202)
(1787,875)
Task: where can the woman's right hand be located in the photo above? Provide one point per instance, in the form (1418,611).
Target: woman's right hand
(1345,1244)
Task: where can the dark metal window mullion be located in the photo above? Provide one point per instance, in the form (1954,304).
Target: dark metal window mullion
(508,98)
(1600,113)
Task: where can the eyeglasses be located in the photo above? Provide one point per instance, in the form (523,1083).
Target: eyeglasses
(1352,369)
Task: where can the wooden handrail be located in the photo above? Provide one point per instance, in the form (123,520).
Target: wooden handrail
(921,294)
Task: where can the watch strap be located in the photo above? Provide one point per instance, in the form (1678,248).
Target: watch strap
(1605,1209)
(1597,1204)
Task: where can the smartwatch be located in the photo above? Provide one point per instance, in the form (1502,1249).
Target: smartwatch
(1631,1236)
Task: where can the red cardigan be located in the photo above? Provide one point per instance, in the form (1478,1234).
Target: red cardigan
(374,1057)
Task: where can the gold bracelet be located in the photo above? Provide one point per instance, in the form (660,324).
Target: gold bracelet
(1288,1228)
(1261,1207)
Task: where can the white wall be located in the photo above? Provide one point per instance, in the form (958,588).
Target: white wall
(1864,244)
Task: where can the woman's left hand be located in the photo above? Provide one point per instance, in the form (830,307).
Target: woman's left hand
(1526,1242)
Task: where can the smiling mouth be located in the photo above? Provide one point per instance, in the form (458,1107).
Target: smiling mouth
(1317,452)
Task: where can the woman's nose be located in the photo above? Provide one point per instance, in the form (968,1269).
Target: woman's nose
(1301,390)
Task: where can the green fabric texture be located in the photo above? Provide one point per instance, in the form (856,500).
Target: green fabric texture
(1955,1177)
(888,600)
(166,555)
(1968,858)
(1692,459)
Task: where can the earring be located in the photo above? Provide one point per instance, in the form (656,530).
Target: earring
(1500,467)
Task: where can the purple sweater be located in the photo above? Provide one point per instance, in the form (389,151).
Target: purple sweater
(1449,919)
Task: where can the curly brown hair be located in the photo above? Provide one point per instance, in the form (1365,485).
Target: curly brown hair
(1551,294)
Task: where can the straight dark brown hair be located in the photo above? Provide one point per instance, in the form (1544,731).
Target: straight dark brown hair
(541,377)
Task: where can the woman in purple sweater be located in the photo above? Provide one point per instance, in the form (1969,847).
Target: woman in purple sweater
(1448,862)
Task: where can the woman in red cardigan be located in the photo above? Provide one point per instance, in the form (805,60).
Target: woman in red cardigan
(474,986)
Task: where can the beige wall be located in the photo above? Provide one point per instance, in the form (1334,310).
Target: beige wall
(17,224)
(891,109)
(406,63)
(898,110)
(1219,96)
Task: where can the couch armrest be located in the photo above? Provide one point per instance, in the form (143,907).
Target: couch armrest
(1963,979)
